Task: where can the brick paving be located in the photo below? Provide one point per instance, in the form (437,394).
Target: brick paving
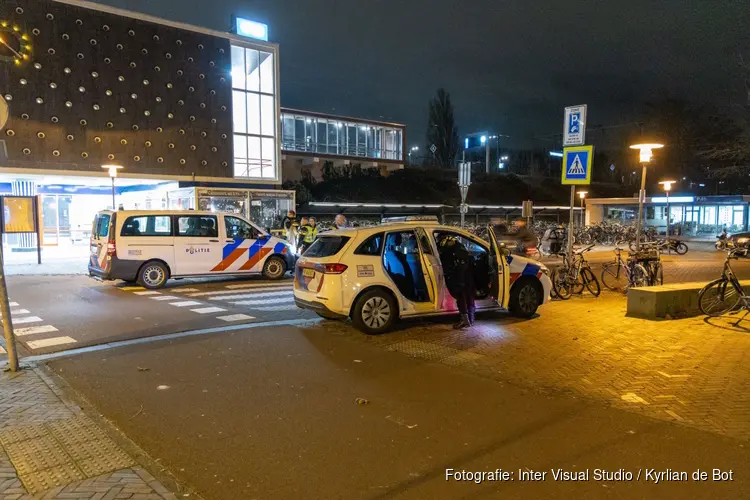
(49,449)
(693,371)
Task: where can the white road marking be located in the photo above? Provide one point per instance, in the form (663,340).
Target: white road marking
(13,312)
(166,297)
(31,330)
(185,303)
(275,308)
(26,319)
(234,317)
(2,350)
(131,288)
(258,285)
(148,292)
(254,295)
(36,344)
(184,290)
(227,292)
(207,310)
(278,301)
(13,304)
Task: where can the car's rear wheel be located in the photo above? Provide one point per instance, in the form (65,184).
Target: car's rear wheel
(274,268)
(375,312)
(153,275)
(525,297)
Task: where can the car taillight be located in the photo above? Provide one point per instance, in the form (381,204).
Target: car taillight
(111,248)
(331,268)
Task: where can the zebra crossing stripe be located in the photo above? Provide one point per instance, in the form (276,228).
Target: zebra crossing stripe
(37,344)
(26,319)
(258,285)
(13,304)
(13,312)
(259,302)
(166,297)
(31,330)
(184,290)
(185,303)
(227,292)
(148,292)
(235,317)
(254,295)
(207,310)
(275,308)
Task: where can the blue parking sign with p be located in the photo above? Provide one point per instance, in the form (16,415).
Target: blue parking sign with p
(574,123)
(577,165)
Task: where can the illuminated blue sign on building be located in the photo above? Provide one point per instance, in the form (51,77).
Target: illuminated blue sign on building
(251,29)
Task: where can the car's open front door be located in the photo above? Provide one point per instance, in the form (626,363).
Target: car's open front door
(500,269)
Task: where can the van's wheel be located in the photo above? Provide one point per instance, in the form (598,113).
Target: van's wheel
(153,275)
(525,297)
(274,268)
(375,312)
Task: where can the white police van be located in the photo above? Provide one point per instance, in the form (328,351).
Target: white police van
(149,247)
(379,274)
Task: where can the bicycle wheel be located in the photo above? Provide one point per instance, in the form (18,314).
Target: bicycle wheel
(561,282)
(592,284)
(681,248)
(638,276)
(658,273)
(614,277)
(718,297)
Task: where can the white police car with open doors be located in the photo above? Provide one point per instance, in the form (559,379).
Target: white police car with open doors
(151,246)
(377,275)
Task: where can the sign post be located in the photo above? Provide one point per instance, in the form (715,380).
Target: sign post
(464,181)
(576,171)
(10,338)
(527,211)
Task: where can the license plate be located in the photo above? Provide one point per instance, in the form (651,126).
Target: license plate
(308,273)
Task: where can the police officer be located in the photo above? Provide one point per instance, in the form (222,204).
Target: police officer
(302,234)
(458,269)
(290,227)
(308,233)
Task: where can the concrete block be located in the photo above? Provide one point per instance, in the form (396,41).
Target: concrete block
(674,301)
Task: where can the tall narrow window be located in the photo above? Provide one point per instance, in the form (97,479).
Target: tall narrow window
(255,114)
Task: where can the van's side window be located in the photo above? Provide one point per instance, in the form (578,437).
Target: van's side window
(238,228)
(197,225)
(147,225)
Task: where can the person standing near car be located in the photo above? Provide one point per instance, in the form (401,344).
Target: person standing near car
(302,235)
(290,227)
(340,222)
(308,233)
(458,269)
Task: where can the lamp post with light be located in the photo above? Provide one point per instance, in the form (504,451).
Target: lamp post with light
(582,196)
(645,156)
(112,170)
(412,150)
(667,188)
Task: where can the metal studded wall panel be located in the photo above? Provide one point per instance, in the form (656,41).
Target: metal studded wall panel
(86,88)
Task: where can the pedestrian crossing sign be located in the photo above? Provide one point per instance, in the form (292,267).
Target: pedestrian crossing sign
(577,165)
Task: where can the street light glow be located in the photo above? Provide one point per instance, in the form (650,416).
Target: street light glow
(667,185)
(112,169)
(483,139)
(582,194)
(556,154)
(646,150)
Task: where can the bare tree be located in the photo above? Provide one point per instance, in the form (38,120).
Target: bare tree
(442,130)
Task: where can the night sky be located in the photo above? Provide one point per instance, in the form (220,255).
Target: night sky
(510,65)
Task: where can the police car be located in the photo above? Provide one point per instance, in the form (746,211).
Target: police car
(152,246)
(377,275)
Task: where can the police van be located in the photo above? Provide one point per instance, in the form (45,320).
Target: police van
(149,247)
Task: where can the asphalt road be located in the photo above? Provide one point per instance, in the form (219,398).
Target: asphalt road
(272,414)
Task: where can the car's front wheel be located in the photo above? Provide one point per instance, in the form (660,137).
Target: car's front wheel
(525,298)
(375,312)
(274,268)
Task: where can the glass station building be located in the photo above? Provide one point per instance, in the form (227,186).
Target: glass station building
(697,216)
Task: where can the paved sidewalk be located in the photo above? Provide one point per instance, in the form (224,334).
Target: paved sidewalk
(50,449)
(691,371)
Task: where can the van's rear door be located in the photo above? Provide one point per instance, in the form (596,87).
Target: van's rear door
(100,236)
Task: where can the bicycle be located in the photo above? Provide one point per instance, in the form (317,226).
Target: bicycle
(724,294)
(571,278)
(650,258)
(620,276)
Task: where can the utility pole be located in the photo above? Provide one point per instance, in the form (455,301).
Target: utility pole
(10,337)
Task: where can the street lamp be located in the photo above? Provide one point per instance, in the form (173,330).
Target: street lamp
(667,185)
(413,148)
(112,170)
(645,155)
(582,195)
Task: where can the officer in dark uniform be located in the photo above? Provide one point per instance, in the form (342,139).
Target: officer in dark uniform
(458,269)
